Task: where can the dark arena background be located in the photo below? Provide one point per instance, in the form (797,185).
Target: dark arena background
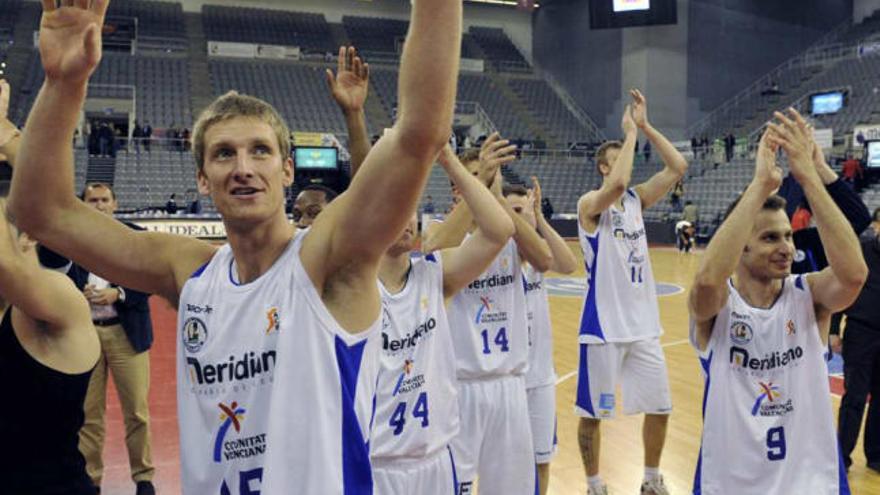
(552,76)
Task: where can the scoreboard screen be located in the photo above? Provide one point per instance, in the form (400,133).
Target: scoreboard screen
(615,14)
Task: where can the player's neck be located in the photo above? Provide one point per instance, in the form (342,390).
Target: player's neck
(394,271)
(757,292)
(257,248)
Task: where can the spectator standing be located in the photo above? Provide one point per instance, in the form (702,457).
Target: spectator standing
(546,208)
(171,205)
(147,136)
(429,207)
(646,150)
(690,214)
(852,170)
(676,195)
(861,357)
(137,135)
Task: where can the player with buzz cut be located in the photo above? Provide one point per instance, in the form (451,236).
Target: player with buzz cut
(620,323)
(417,413)
(541,376)
(490,336)
(279,329)
(762,333)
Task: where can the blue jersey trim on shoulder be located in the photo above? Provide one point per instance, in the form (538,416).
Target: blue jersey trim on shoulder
(799,282)
(430,257)
(200,270)
(631,192)
(357,477)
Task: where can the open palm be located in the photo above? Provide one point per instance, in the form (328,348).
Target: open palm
(70,40)
(766,170)
(7,128)
(351,83)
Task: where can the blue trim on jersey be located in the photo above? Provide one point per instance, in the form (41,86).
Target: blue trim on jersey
(454,471)
(199,271)
(431,258)
(357,477)
(843,483)
(706,365)
(537,482)
(799,282)
(583,399)
(231,278)
(590,324)
(555,426)
(631,193)
(698,485)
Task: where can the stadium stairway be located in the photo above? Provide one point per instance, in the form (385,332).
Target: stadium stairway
(199,80)
(23,49)
(474,48)
(101,169)
(522,111)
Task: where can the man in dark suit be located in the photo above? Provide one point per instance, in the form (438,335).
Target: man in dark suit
(122,319)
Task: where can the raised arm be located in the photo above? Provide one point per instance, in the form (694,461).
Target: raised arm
(42,199)
(357,228)
(709,291)
(461,265)
(614,185)
(10,136)
(564,260)
(43,295)
(674,163)
(450,233)
(837,286)
(349,87)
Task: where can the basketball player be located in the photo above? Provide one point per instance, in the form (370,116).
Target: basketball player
(620,324)
(762,333)
(417,410)
(272,314)
(490,336)
(48,349)
(541,375)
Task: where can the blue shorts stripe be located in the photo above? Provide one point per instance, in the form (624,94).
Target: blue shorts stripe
(584,401)
(454,472)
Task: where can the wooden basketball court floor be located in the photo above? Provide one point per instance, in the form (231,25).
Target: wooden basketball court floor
(621,460)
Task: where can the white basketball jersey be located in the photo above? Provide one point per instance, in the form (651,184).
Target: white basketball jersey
(767,422)
(416,400)
(323,401)
(488,320)
(621,300)
(228,362)
(541,371)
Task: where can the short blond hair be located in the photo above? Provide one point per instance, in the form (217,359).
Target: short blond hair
(602,152)
(234,105)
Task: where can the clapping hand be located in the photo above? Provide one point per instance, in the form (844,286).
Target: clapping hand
(351,83)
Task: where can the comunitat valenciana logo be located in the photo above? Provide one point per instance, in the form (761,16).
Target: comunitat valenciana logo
(228,445)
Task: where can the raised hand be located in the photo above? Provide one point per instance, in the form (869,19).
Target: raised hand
(7,128)
(639,108)
(793,135)
(70,39)
(767,174)
(627,123)
(536,194)
(494,153)
(351,83)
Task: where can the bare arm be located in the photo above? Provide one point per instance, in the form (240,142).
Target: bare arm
(10,136)
(564,260)
(349,87)
(614,185)
(42,198)
(674,163)
(43,295)
(463,264)
(709,291)
(494,153)
(836,287)
(529,244)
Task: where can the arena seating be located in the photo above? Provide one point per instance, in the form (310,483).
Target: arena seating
(549,110)
(10,10)
(498,47)
(154,18)
(308,31)
(375,35)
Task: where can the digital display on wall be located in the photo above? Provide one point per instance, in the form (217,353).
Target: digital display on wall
(614,14)
(874,154)
(826,103)
(315,158)
(629,5)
